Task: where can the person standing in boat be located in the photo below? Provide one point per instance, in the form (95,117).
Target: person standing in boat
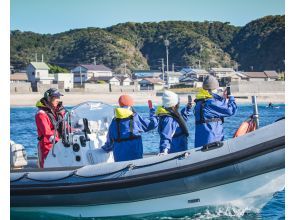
(209,111)
(172,126)
(48,117)
(124,133)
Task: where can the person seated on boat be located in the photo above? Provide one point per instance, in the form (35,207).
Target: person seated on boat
(172,126)
(125,130)
(209,111)
(50,113)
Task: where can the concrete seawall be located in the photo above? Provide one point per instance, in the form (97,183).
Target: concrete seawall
(265,91)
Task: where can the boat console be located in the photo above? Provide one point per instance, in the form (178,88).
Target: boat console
(85,129)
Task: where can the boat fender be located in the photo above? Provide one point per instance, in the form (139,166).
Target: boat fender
(212,146)
(246,127)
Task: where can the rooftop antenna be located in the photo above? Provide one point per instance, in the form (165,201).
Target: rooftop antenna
(94,59)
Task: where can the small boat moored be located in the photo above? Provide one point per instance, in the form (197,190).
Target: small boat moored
(244,172)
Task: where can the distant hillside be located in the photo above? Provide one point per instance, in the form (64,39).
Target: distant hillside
(140,45)
(260,45)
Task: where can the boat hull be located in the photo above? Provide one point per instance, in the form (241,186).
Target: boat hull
(251,193)
(244,172)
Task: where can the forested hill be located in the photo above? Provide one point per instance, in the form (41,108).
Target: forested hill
(259,45)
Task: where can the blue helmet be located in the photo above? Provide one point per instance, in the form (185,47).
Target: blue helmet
(52,92)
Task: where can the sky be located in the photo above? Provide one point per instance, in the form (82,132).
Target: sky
(54,16)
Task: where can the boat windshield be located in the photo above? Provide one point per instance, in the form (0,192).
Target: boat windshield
(98,114)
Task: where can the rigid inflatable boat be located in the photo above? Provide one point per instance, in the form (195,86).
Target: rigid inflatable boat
(244,172)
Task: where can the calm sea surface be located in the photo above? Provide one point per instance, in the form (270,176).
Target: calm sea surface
(23,131)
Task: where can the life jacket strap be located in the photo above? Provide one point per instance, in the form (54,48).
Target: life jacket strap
(209,120)
(202,119)
(132,136)
(127,139)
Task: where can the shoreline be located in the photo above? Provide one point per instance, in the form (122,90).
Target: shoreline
(140,98)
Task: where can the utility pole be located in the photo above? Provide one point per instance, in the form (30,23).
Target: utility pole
(166,43)
(94,60)
(162,68)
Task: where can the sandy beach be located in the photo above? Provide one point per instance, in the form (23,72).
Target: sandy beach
(141,98)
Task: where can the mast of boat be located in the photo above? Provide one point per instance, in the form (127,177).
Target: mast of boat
(255,111)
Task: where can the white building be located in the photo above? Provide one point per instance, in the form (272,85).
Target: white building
(84,72)
(172,78)
(222,72)
(39,72)
(65,79)
(125,80)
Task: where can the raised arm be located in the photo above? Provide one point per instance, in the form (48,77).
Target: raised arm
(150,123)
(223,108)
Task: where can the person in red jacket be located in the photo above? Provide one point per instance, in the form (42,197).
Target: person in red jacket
(48,119)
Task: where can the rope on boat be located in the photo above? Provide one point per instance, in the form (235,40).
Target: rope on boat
(126,168)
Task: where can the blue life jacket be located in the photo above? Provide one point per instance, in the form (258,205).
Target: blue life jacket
(209,114)
(124,134)
(173,130)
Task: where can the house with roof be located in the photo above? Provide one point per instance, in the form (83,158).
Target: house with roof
(200,74)
(188,81)
(141,74)
(84,72)
(38,72)
(221,72)
(112,80)
(125,80)
(18,78)
(227,75)
(151,84)
(267,75)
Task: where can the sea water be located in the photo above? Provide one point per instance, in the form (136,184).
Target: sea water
(23,131)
